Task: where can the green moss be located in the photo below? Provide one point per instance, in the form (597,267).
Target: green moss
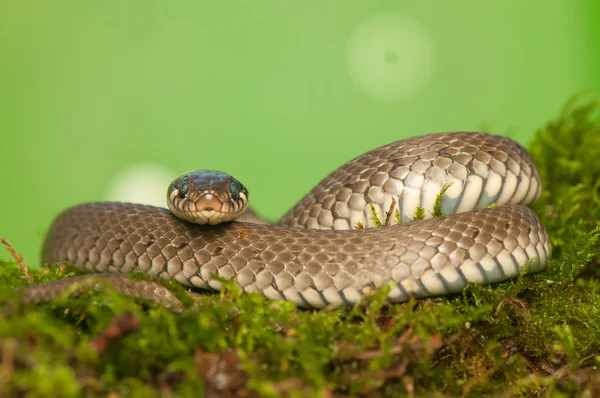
(375,217)
(535,335)
(437,205)
(419,214)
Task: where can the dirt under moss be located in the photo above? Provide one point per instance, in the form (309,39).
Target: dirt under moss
(535,335)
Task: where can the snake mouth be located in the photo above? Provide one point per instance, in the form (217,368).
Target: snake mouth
(207,202)
(207,209)
(200,208)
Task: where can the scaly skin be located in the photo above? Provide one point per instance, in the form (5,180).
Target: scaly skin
(333,264)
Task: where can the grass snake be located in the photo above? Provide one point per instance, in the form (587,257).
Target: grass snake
(314,256)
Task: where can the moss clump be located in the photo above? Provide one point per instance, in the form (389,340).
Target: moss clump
(567,152)
(535,335)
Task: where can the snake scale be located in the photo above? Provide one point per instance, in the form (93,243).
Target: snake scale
(314,256)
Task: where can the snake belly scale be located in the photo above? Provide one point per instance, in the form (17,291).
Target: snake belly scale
(314,256)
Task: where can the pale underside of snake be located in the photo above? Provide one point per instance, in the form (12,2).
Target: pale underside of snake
(314,256)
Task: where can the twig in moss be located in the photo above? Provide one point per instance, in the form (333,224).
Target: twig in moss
(118,328)
(19,259)
(414,344)
(388,215)
(8,361)
(408,341)
(513,300)
(395,372)
(589,357)
(409,385)
(294,383)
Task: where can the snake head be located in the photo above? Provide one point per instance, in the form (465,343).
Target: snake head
(207,197)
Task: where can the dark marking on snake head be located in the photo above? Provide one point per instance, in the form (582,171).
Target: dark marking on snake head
(475,234)
(217,251)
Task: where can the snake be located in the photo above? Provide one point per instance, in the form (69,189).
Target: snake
(354,233)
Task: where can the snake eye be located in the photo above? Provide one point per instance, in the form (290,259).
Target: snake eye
(234,188)
(183,187)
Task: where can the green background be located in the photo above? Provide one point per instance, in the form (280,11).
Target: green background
(98,97)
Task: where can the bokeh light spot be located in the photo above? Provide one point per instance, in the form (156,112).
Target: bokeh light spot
(391,57)
(145,183)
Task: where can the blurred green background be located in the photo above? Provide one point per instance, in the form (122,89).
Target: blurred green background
(112,99)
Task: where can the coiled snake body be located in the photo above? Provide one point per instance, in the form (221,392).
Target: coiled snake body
(315,256)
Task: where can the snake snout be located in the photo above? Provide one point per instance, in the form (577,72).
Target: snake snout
(208,202)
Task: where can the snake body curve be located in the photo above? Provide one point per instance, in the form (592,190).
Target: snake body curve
(314,256)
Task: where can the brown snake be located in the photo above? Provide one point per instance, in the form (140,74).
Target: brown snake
(314,256)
